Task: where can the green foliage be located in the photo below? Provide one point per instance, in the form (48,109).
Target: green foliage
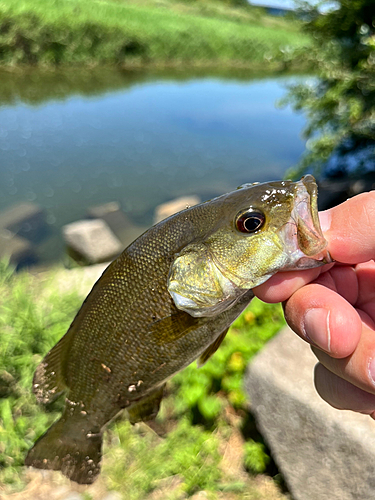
(256,458)
(188,452)
(137,33)
(340,106)
(28,329)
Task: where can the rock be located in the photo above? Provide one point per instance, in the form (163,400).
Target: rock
(201,495)
(17,249)
(113,495)
(73,495)
(324,453)
(112,214)
(171,207)
(26,220)
(99,211)
(118,222)
(91,241)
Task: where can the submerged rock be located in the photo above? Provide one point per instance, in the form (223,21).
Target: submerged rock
(171,207)
(17,249)
(26,220)
(119,222)
(91,241)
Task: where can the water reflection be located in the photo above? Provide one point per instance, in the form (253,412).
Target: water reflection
(68,142)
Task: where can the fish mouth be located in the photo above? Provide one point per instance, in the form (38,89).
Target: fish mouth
(310,246)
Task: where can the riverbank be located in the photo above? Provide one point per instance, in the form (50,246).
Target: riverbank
(144,33)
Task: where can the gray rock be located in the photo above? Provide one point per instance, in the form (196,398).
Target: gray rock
(26,220)
(119,223)
(171,207)
(112,214)
(18,250)
(73,496)
(113,495)
(99,211)
(91,241)
(324,453)
(201,495)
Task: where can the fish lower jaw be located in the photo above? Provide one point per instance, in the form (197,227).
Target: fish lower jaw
(298,260)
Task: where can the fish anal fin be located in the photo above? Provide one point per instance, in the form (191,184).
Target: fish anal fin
(173,327)
(146,408)
(211,349)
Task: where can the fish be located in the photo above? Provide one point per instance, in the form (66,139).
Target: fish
(166,301)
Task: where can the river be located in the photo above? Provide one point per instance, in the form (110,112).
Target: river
(68,141)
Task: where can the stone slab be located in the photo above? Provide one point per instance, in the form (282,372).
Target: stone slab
(26,220)
(119,223)
(171,207)
(323,453)
(18,250)
(91,241)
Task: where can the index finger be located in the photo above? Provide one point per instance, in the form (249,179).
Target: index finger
(350,229)
(282,285)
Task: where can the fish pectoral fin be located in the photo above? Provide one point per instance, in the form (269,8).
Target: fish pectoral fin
(211,349)
(146,408)
(173,327)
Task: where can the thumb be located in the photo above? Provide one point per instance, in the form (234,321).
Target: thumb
(350,229)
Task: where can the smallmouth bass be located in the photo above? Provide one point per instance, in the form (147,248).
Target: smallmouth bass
(167,300)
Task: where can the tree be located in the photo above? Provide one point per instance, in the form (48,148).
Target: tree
(340,106)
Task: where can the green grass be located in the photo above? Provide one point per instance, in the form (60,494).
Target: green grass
(193,418)
(136,33)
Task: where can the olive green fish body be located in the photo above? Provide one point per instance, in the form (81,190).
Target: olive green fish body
(167,300)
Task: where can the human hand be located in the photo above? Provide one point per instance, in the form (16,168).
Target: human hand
(333,307)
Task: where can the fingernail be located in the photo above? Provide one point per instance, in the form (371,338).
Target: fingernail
(325,220)
(371,369)
(316,328)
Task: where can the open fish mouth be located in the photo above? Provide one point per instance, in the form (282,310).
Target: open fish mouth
(304,238)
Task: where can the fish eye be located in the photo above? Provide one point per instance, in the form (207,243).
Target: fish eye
(250,221)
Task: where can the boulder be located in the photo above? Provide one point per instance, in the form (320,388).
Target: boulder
(18,250)
(27,220)
(119,223)
(171,207)
(323,453)
(112,214)
(91,241)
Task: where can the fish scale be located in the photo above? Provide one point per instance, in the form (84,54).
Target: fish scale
(168,299)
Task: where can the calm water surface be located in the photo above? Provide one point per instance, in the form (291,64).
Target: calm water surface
(139,140)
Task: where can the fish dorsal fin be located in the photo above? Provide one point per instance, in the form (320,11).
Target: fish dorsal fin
(173,327)
(211,349)
(147,408)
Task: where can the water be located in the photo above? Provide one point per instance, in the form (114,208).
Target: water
(67,144)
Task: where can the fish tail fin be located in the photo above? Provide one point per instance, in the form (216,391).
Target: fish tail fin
(66,447)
